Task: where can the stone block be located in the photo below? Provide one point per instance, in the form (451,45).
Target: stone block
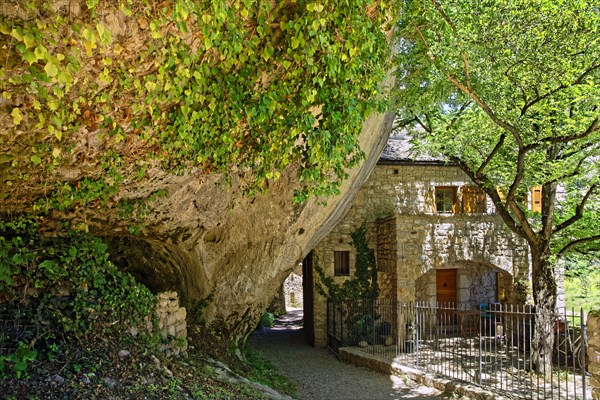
(171,331)
(172,319)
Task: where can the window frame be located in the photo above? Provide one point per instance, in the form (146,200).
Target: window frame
(341,263)
(446,189)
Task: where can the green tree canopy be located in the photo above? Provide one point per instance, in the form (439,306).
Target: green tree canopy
(510,92)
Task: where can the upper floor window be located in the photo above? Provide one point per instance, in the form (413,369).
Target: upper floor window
(341,263)
(473,200)
(536,199)
(445,199)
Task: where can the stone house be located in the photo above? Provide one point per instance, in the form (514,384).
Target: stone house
(436,238)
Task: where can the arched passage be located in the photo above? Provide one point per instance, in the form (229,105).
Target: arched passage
(475,283)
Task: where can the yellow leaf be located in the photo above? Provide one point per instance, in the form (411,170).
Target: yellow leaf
(57,132)
(29,41)
(56,152)
(51,69)
(17,117)
(53,105)
(17,35)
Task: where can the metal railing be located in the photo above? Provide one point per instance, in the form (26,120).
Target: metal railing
(489,345)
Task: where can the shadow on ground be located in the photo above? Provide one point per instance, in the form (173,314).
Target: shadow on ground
(319,375)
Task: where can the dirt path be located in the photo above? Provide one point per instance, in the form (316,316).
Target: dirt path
(319,375)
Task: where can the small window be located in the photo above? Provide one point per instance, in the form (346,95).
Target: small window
(473,200)
(445,199)
(536,199)
(341,263)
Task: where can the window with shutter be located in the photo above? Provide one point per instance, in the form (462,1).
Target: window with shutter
(536,199)
(341,263)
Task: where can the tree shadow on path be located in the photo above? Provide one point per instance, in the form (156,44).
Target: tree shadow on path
(319,375)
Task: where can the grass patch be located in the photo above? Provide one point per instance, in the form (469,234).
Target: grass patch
(262,371)
(583,291)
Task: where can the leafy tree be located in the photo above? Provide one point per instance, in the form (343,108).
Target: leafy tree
(509,92)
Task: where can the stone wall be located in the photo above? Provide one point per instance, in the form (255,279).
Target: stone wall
(172,323)
(401,198)
(292,289)
(593,352)
(476,284)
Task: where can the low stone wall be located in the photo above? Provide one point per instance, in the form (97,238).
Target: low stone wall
(593,352)
(172,323)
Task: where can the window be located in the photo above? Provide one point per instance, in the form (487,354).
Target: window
(445,199)
(341,263)
(473,200)
(536,199)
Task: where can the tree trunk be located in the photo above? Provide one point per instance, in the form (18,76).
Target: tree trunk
(544,295)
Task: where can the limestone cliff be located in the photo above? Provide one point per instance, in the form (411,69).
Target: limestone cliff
(93,137)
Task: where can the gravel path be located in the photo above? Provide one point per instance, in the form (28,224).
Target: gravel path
(319,375)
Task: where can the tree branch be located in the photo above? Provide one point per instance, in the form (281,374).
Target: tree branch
(403,123)
(578,242)
(460,41)
(570,174)
(522,228)
(577,81)
(462,109)
(578,211)
(490,157)
(427,128)
(594,126)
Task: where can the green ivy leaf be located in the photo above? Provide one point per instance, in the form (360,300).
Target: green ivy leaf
(36,159)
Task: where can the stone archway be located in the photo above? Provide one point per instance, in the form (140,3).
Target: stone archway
(477,283)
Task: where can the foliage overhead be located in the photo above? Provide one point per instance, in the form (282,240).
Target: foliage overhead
(509,90)
(242,87)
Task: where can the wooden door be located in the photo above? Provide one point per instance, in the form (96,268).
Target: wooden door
(445,283)
(307,297)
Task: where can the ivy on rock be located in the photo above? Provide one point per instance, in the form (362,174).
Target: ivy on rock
(241,87)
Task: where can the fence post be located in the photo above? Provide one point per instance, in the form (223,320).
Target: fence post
(593,352)
(583,350)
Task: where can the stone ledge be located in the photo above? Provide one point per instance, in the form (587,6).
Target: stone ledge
(444,384)
(357,357)
(384,365)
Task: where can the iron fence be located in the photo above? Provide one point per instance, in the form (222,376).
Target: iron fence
(489,345)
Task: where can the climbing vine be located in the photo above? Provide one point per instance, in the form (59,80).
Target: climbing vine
(364,283)
(242,87)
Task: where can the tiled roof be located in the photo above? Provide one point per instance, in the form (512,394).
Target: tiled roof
(398,149)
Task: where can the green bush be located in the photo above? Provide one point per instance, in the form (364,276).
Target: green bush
(62,287)
(267,320)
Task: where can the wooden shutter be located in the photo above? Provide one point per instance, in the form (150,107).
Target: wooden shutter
(536,199)
(473,200)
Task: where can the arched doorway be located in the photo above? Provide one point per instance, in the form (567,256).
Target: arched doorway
(465,283)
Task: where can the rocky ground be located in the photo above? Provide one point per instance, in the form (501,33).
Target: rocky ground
(319,375)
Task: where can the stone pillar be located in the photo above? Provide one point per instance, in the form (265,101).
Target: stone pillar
(593,352)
